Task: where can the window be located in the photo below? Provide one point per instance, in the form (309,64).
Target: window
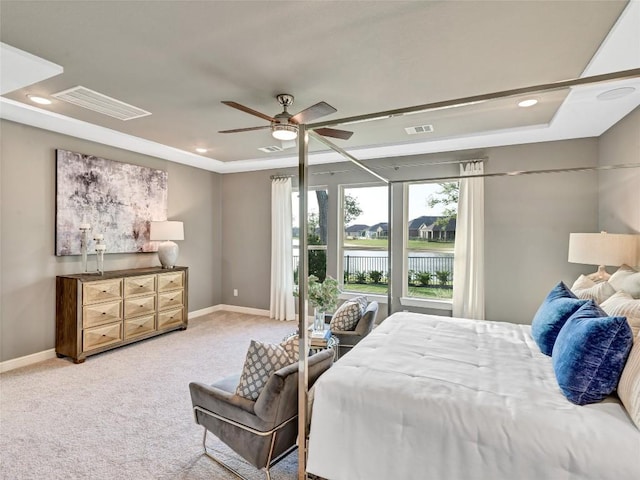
(431,231)
(317,233)
(365,240)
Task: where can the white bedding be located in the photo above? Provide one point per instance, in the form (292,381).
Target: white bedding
(427,397)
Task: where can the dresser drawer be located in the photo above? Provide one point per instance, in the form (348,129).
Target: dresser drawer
(169,300)
(101,313)
(169,318)
(139,285)
(101,291)
(138,306)
(170,281)
(97,337)
(134,327)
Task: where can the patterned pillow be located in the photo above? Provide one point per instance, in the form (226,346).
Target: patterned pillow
(629,386)
(347,316)
(589,354)
(362,300)
(262,360)
(555,310)
(291,345)
(587,289)
(626,279)
(623,305)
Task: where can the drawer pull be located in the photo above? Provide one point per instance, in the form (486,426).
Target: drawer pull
(104,291)
(104,313)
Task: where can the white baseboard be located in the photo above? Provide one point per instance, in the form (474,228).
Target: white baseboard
(247,310)
(47,354)
(228,308)
(27,360)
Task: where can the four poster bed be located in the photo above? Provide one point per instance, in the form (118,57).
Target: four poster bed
(444,398)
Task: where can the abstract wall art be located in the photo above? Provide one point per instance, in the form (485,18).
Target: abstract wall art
(118,200)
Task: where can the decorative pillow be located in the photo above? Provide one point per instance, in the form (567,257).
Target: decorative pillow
(555,310)
(626,279)
(262,360)
(590,353)
(362,300)
(623,305)
(291,345)
(587,289)
(347,316)
(629,386)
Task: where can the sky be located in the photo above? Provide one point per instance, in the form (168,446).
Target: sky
(373,202)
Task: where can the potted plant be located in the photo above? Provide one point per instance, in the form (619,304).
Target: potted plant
(323,297)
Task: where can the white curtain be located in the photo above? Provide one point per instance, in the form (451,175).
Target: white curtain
(468,263)
(282,301)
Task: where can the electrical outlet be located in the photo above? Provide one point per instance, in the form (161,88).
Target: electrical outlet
(235,292)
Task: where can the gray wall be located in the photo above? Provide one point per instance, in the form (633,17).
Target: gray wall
(528,221)
(28,266)
(619,190)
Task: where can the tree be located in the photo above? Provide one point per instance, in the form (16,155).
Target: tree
(352,209)
(448,198)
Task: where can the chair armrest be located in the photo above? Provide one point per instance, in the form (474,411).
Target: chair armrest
(347,338)
(223,403)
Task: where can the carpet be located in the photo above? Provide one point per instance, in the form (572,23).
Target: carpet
(126,413)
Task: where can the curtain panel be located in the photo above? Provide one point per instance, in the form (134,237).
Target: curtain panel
(468,263)
(282,305)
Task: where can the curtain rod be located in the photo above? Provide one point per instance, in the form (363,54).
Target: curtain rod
(278,177)
(522,172)
(408,165)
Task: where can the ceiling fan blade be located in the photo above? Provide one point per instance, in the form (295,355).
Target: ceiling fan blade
(335,133)
(249,129)
(248,110)
(314,111)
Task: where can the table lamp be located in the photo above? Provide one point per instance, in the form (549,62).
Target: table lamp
(602,249)
(166,232)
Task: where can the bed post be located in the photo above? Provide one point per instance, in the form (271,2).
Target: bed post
(303,365)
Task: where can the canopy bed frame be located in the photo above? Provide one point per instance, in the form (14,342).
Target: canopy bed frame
(307,131)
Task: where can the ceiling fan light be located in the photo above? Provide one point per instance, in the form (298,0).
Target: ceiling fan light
(284,132)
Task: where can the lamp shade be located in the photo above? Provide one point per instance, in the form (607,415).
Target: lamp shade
(603,249)
(166,231)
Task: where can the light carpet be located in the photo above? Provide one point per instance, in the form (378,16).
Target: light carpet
(126,414)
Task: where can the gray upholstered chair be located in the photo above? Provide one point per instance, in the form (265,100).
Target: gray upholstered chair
(349,338)
(263,431)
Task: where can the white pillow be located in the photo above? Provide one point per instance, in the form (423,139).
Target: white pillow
(586,289)
(262,360)
(623,305)
(629,385)
(626,279)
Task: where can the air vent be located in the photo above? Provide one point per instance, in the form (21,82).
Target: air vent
(419,129)
(271,149)
(85,98)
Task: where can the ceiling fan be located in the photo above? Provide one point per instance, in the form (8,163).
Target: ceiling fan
(284,126)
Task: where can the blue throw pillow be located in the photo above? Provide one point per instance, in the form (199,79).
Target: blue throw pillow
(590,353)
(556,309)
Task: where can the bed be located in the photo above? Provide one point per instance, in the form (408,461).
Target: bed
(428,397)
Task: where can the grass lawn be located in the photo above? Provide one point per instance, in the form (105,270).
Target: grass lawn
(418,292)
(416,245)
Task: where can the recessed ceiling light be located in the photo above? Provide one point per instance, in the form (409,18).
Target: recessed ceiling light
(39,100)
(201,150)
(616,93)
(528,103)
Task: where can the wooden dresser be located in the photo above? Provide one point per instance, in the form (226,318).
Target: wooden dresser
(95,313)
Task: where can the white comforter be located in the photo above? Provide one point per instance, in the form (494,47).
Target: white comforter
(427,397)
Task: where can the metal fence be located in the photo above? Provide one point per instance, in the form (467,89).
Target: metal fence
(360,265)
